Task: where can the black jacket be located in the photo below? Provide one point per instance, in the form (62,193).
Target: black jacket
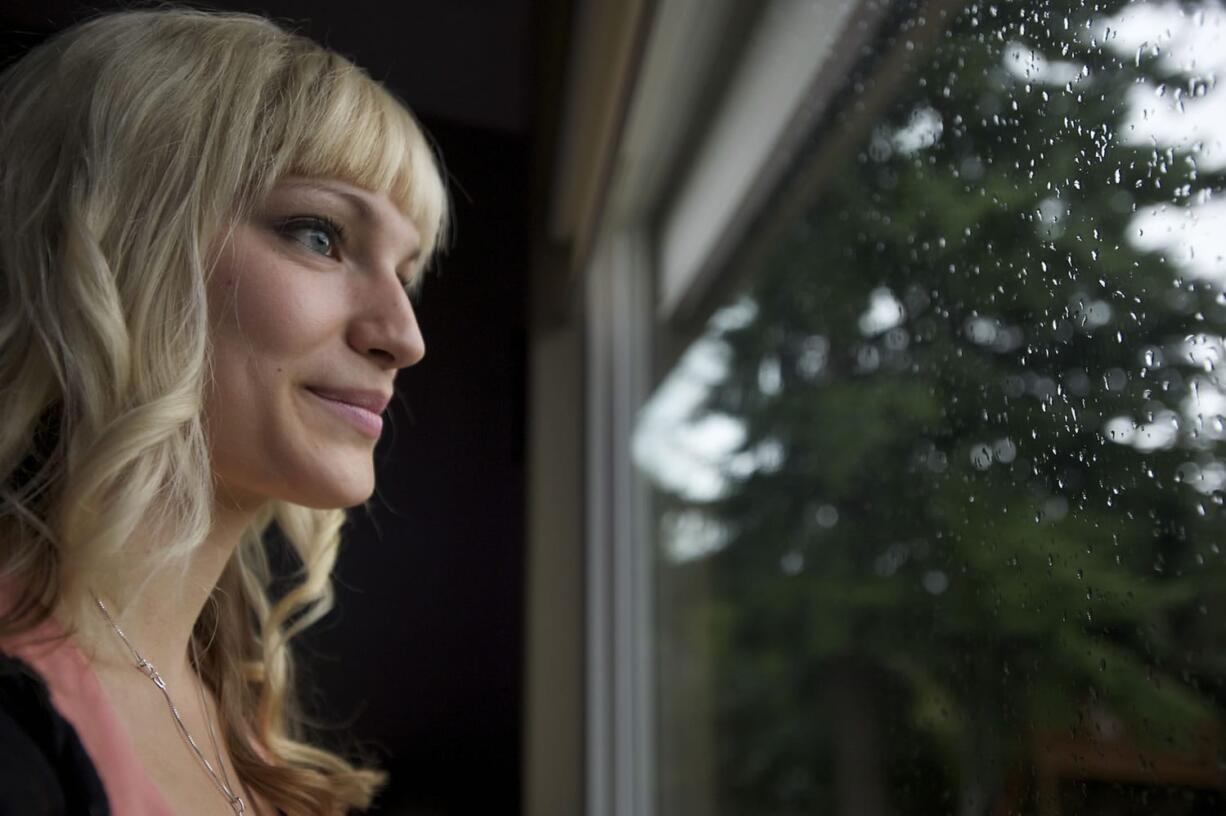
(44,769)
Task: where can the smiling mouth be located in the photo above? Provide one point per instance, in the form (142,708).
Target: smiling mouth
(365,421)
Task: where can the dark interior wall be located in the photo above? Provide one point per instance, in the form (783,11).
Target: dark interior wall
(459,61)
(428,644)
(422,660)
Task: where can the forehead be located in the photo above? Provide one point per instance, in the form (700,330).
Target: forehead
(374,210)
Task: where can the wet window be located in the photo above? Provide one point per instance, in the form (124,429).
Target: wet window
(938,491)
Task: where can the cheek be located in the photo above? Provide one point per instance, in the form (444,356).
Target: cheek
(272,313)
(270,320)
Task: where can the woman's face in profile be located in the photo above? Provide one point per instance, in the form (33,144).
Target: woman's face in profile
(309,324)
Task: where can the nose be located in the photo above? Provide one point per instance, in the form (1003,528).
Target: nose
(387,330)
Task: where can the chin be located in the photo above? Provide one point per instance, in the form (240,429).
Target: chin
(332,484)
(335,496)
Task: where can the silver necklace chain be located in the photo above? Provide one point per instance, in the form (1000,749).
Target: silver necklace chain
(223,782)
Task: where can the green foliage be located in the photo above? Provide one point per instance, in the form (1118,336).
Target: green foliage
(1002,562)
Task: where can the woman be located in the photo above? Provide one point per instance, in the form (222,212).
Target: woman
(209,231)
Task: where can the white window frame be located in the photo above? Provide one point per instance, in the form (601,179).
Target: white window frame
(658,250)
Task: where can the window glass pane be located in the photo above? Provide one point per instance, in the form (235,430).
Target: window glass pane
(939,491)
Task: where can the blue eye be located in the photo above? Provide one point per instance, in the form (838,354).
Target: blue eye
(319,235)
(317,240)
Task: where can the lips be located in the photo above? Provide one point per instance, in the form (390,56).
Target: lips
(373,401)
(360,409)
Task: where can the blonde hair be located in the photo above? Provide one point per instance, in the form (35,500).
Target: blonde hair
(127,145)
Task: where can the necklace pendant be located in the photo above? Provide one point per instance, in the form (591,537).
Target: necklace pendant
(239,806)
(152,673)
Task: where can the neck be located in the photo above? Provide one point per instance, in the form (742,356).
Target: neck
(160,607)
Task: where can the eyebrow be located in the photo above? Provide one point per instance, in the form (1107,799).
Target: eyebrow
(355,202)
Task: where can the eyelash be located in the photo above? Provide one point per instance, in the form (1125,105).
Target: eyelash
(336,234)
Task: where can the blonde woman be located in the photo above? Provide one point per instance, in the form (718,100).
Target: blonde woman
(210,229)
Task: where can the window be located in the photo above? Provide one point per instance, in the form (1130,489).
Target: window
(936,489)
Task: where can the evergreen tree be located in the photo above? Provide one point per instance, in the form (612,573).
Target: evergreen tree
(941,549)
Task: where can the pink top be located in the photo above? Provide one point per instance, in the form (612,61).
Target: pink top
(79,698)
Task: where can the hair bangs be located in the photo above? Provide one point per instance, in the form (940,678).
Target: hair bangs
(356,131)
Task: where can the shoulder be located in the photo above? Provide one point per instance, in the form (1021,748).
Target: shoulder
(44,769)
